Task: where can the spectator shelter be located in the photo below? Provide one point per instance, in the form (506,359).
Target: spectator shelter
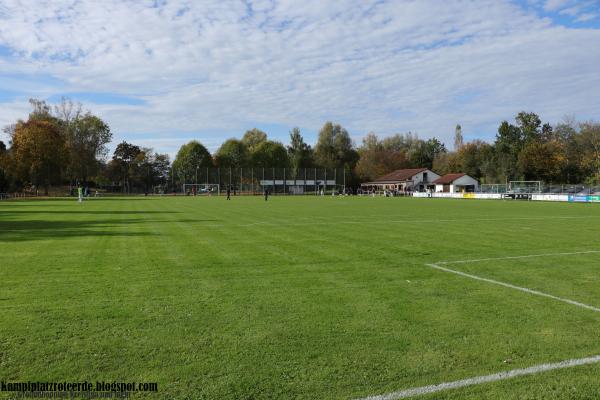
(456,183)
(403,180)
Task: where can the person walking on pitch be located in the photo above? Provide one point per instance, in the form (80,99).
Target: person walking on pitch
(228,193)
(266,194)
(79,193)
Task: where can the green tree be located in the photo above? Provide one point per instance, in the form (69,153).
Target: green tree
(566,133)
(87,137)
(253,138)
(233,153)
(39,151)
(473,158)
(589,139)
(446,163)
(334,147)
(509,143)
(378,157)
(530,126)
(270,154)
(426,152)
(124,156)
(542,160)
(149,169)
(300,153)
(4,163)
(190,158)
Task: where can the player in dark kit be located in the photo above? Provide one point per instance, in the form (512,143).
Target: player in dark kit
(228,193)
(266,194)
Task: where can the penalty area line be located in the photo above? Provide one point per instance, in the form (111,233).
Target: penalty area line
(536,369)
(515,287)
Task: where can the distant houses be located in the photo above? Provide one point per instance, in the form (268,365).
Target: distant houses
(422,180)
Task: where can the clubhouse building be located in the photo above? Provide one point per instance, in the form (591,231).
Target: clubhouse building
(422,180)
(404,180)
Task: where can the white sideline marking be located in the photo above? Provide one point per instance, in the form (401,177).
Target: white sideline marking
(485,379)
(522,289)
(517,257)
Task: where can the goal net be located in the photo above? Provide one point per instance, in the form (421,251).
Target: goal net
(525,187)
(201,189)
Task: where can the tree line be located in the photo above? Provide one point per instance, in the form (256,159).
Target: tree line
(62,144)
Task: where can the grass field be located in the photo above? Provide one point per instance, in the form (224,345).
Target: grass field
(301,297)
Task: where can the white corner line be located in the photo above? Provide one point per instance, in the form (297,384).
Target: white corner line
(484,379)
(508,285)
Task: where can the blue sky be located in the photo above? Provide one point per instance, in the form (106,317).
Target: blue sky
(162,73)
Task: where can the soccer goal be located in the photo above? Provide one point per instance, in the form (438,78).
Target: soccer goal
(201,189)
(525,187)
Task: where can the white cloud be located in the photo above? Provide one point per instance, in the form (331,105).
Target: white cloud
(585,17)
(554,5)
(216,68)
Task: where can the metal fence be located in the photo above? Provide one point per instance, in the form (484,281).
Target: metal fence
(275,180)
(579,189)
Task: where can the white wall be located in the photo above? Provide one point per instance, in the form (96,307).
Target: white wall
(418,178)
(458,184)
(466,180)
(550,197)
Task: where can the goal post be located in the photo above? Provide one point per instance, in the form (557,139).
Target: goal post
(526,187)
(201,189)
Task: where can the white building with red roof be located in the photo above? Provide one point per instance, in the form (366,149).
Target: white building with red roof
(415,179)
(456,183)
